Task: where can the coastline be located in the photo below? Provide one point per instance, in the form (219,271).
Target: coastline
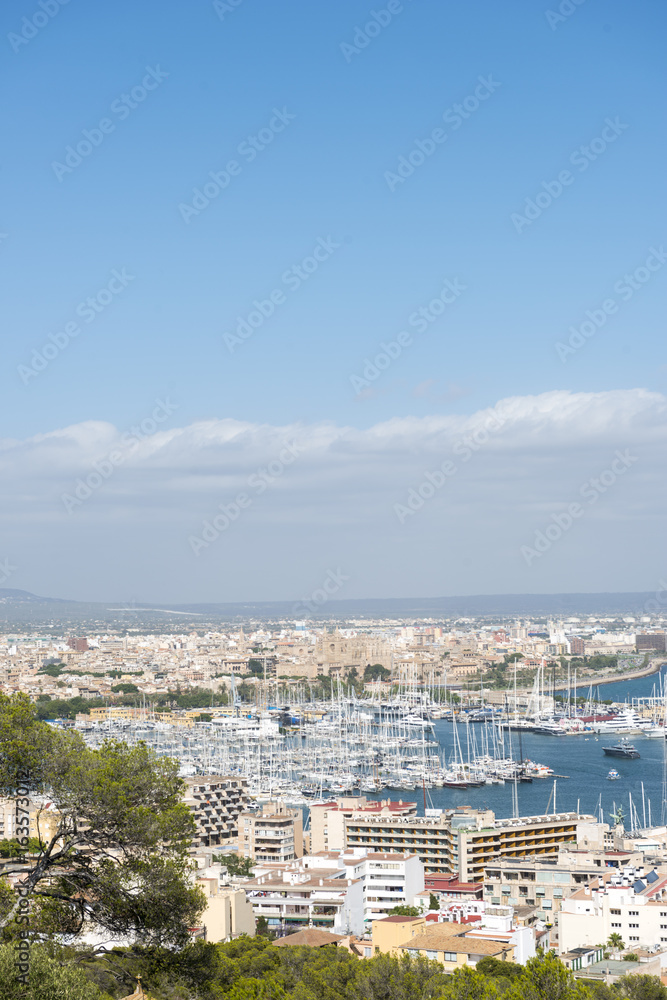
(652,668)
(585,682)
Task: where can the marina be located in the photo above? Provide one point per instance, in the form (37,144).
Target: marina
(411,748)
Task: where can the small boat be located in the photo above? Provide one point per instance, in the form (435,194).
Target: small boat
(621,749)
(613,775)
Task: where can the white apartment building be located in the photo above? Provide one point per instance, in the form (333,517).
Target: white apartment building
(295,899)
(388,880)
(631,902)
(342,891)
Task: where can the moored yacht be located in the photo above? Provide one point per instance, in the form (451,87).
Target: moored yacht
(621,749)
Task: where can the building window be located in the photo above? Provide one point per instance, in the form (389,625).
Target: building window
(633,938)
(615,913)
(432,955)
(615,925)
(449,956)
(633,913)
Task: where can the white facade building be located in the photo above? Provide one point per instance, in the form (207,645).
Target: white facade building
(343,891)
(388,880)
(632,903)
(295,899)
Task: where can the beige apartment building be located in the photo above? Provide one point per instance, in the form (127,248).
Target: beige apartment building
(545,882)
(271,833)
(466,841)
(43,818)
(228,912)
(327,819)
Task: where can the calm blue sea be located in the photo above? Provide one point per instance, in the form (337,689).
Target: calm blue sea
(579,757)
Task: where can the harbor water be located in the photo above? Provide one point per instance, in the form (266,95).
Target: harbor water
(580,758)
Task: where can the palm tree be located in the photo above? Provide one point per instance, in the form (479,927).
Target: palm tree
(616,941)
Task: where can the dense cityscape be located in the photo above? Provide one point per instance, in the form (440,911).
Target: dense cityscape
(337,776)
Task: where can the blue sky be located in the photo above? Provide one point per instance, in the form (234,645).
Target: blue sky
(347,117)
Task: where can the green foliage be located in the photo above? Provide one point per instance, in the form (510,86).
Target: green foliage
(631,957)
(256,667)
(404,911)
(615,941)
(599,661)
(433,902)
(61,708)
(126,688)
(118,853)
(638,987)
(253,969)
(245,692)
(546,978)
(387,978)
(47,979)
(470,984)
(497,969)
(12,848)
(376,672)
(235,865)
(53,669)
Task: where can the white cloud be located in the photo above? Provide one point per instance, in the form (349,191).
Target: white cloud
(336,501)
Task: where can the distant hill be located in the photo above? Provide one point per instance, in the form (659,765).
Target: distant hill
(20,606)
(8,596)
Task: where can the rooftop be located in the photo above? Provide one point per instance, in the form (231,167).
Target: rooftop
(442,939)
(311,937)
